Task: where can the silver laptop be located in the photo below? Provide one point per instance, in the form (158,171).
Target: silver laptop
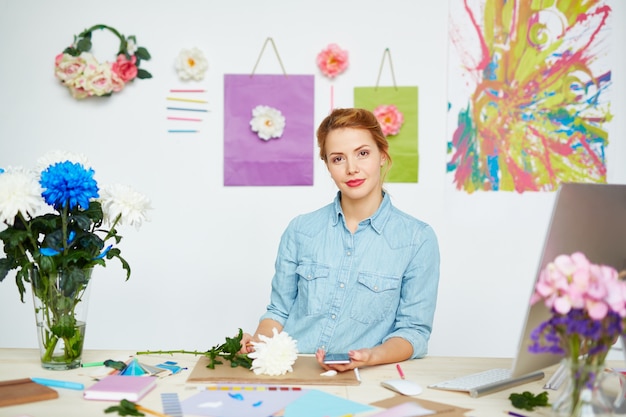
(587,218)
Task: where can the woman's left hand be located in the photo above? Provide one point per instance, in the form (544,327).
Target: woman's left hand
(358,359)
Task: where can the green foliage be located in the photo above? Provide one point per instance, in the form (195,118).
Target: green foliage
(25,240)
(228,350)
(125,408)
(528,401)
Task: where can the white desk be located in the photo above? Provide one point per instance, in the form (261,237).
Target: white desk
(24,363)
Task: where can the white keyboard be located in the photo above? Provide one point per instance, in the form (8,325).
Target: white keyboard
(485,382)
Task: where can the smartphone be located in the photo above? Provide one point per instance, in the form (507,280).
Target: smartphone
(333,358)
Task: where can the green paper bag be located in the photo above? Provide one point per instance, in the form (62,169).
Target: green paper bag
(403,147)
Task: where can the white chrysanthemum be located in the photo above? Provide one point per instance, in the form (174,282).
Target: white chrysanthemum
(274,355)
(191,64)
(124,201)
(61,156)
(268,122)
(19,192)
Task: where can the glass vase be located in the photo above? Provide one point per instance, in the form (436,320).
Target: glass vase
(61,300)
(583,393)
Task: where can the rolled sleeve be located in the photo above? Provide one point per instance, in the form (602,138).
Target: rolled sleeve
(416,310)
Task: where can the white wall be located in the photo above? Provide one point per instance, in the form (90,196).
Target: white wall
(202,267)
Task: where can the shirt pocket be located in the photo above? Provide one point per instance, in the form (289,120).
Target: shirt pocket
(375,297)
(312,288)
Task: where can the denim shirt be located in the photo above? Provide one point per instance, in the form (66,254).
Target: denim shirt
(338,291)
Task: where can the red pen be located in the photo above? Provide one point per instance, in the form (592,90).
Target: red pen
(400,371)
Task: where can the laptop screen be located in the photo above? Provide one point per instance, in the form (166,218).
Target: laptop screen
(587,218)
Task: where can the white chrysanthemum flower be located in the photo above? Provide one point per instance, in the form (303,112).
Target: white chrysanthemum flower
(61,156)
(19,192)
(191,64)
(268,122)
(274,355)
(124,201)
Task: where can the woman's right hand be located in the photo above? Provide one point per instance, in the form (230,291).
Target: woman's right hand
(246,344)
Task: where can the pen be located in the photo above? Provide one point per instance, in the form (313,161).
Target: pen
(514,414)
(400,371)
(90,364)
(58,384)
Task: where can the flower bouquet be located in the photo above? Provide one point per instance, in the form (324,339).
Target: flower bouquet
(56,251)
(588,306)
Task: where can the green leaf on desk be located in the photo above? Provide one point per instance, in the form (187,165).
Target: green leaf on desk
(528,401)
(125,408)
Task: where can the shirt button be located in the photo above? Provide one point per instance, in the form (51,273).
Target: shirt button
(308,276)
(348,253)
(341,285)
(333,316)
(375,288)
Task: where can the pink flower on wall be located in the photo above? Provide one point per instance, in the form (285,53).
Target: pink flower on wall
(390,118)
(333,60)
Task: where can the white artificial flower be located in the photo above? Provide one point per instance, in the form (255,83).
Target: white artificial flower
(53,157)
(19,192)
(131,46)
(191,64)
(274,355)
(124,201)
(268,122)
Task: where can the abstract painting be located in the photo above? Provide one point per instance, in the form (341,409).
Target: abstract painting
(528,93)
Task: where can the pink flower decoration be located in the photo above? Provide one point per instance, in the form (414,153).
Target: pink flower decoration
(571,281)
(390,118)
(332,61)
(125,68)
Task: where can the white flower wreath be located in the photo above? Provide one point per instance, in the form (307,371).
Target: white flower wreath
(85,77)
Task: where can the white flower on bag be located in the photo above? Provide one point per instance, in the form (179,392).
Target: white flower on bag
(274,355)
(191,64)
(122,201)
(268,122)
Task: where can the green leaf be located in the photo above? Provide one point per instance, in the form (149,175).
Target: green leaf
(142,53)
(125,408)
(5,266)
(143,74)
(84,45)
(528,401)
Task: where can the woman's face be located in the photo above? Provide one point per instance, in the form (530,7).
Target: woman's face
(354,162)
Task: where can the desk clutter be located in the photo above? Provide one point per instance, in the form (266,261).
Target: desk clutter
(221,392)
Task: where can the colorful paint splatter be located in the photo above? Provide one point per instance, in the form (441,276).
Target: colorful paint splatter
(528,89)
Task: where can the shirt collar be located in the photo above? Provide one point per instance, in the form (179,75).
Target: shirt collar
(377,220)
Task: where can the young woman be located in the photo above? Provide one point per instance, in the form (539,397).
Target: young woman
(358,275)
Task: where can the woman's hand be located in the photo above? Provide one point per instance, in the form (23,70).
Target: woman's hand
(246,344)
(358,359)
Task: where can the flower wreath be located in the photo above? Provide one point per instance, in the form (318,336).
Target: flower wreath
(85,77)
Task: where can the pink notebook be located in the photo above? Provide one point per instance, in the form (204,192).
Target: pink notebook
(119,387)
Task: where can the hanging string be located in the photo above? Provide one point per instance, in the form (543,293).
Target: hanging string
(382,62)
(261,53)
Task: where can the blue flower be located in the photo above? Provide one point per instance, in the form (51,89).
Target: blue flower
(49,252)
(67,183)
(104,252)
(1,170)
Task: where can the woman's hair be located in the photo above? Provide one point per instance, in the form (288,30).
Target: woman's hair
(354,119)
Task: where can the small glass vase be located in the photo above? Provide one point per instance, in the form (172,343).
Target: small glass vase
(61,299)
(583,393)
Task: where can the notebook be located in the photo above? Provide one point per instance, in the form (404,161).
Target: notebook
(22,391)
(120,387)
(587,218)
